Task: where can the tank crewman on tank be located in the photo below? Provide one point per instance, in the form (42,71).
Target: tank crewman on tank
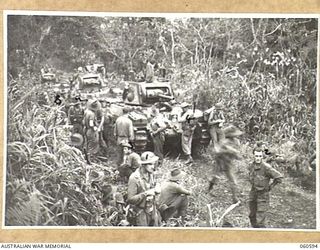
(260,174)
(91,128)
(131,161)
(150,70)
(188,124)
(173,196)
(226,152)
(142,191)
(215,121)
(123,132)
(75,117)
(157,128)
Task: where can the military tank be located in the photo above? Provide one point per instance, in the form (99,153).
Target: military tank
(142,97)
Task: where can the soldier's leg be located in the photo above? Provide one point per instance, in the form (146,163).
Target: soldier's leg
(220,135)
(229,171)
(182,206)
(262,208)
(179,205)
(142,219)
(158,148)
(119,152)
(253,208)
(213,135)
(185,144)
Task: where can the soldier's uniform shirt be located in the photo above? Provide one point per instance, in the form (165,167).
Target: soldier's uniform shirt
(260,175)
(170,191)
(123,129)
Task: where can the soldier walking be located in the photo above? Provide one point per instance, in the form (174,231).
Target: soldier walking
(260,174)
(142,191)
(225,154)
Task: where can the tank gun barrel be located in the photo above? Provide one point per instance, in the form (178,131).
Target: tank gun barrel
(165,96)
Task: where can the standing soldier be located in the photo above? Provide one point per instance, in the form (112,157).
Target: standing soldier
(173,197)
(123,132)
(157,127)
(188,126)
(226,152)
(75,115)
(215,122)
(107,128)
(260,174)
(142,191)
(91,128)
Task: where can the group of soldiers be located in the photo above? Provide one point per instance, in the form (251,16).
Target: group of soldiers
(153,204)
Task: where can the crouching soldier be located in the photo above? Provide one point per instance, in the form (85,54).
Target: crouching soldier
(142,191)
(173,197)
(260,174)
(131,161)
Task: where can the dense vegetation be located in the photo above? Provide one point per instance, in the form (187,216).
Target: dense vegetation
(263,70)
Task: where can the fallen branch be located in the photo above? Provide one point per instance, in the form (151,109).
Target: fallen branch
(228,210)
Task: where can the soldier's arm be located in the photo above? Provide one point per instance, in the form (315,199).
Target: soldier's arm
(131,131)
(115,130)
(101,123)
(180,190)
(275,175)
(222,117)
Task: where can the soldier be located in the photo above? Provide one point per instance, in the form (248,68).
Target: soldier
(188,126)
(123,132)
(215,121)
(173,197)
(100,121)
(150,71)
(260,174)
(107,128)
(227,151)
(75,115)
(142,191)
(91,128)
(131,161)
(157,128)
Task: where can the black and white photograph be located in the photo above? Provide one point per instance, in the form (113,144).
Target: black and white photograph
(160,120)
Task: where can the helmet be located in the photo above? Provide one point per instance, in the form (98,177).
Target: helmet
(148,157)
